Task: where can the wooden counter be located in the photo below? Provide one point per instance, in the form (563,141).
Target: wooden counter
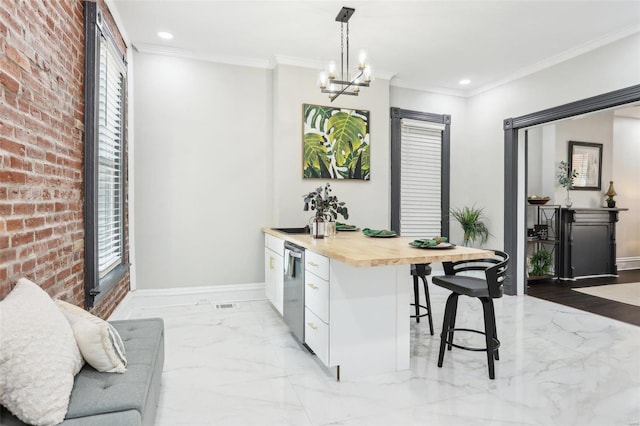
(356,249)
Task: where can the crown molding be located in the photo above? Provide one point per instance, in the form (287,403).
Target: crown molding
(187,54)
(298,62)
(557,59)
(412,85)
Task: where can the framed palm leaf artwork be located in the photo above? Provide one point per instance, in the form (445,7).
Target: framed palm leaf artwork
(336,143)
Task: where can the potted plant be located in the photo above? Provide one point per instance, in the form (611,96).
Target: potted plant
(326,206)
(540,263)
(327,209)
(470,219)
(565,178)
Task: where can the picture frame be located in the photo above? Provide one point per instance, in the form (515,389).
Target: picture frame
(335,142)
(585,158)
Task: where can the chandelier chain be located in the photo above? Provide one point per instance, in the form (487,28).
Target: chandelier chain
(342,51)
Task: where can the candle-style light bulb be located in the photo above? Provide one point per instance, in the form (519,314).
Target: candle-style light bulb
(322,80)
(362,60)
(367,74)
(331,70)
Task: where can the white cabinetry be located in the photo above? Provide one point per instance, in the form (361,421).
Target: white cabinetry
(352,313)
(274,270)
(316,301)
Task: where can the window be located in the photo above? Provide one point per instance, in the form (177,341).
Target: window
(421,170)
(419,173)
(105,94)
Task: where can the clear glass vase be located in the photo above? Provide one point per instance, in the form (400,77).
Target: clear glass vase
(568,201)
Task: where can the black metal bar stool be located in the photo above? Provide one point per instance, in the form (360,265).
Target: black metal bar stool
(486,290)
(421,270)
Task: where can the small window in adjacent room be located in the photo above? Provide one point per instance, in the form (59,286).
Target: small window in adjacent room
(105,94)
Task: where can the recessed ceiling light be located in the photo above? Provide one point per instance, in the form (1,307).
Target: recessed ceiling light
(464,82)
(165,35)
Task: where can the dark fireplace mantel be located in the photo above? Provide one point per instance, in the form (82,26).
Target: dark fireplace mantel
(588,242)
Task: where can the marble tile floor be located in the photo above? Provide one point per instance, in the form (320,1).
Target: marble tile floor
(241,366)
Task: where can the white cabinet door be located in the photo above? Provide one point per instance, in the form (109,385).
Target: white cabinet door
(278,301)
(316,336)
(273,278)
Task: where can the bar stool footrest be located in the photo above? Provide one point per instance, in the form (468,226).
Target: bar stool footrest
(421,315)
(466,348)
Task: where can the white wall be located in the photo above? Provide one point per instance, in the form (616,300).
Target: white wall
(202,167)
(219,154)
(368,201)
(626,177)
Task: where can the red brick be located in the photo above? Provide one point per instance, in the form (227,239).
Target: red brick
(28,265)
(24,209)
(12,146)
(34,222)
(44,233)
(15,225)
(7,255)
(18,57)
(20,239)
(8,176)
(10,83)
(20,164)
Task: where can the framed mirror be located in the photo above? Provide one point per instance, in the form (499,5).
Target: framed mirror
(585,158)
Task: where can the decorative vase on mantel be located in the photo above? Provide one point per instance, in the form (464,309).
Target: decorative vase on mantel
(568,201)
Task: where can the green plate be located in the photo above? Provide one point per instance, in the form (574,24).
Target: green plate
(345,227)
(423,245)
(379,233)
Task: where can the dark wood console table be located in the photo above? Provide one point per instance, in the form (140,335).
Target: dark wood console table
(588,242)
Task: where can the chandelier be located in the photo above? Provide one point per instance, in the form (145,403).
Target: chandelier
(329,81)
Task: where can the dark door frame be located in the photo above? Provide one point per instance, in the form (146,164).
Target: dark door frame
(511,128)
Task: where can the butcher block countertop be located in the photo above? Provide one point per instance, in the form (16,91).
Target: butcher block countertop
(356,249)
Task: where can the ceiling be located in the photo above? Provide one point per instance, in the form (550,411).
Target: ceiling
(428,45)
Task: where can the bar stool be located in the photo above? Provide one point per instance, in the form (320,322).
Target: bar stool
(421,270)
(487,289)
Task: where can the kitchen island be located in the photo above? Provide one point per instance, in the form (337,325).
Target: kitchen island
(357,297)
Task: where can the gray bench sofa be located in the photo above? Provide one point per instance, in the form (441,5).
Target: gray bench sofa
(108,399)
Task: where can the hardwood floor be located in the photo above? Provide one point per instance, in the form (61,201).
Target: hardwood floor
(560,292)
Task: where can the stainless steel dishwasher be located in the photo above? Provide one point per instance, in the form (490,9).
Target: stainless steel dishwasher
(293,310)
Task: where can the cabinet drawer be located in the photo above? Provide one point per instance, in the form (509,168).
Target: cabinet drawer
(316,295)
(274,243)
(317,264)
(316,336)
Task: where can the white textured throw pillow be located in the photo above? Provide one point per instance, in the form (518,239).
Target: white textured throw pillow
(38,356)
(99,342)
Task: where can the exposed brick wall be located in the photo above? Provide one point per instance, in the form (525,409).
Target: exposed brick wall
(41,149)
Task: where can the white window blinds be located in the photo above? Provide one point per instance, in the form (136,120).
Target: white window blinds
(421,171)
(110,159)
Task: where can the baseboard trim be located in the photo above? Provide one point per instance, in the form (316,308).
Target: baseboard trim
(179,291)
(185,296)
(627,263)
